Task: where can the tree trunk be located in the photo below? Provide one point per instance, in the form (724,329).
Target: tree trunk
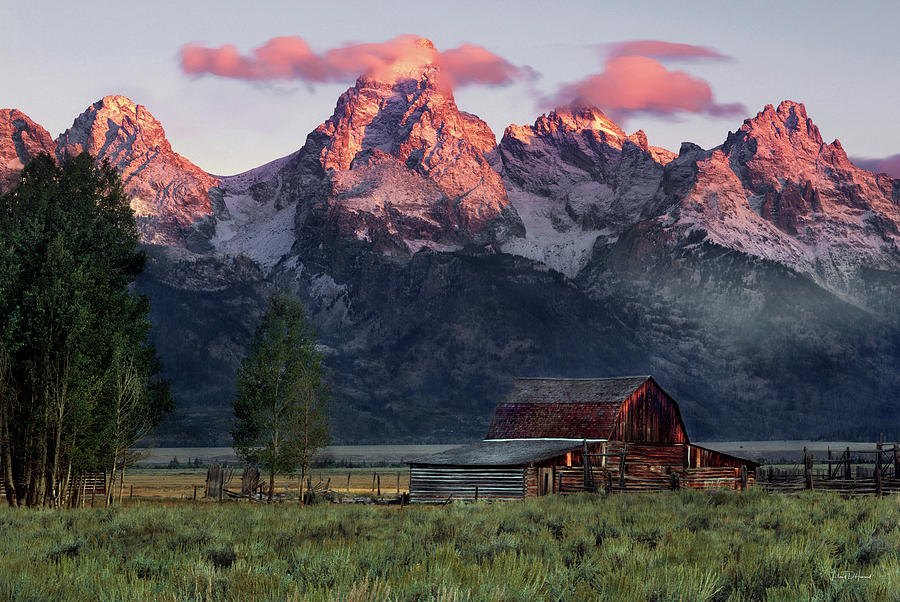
(8,479)
(40,494)
(57,443)
(122,480)
(63,500)
(271,485)
(110,486)
(302,478)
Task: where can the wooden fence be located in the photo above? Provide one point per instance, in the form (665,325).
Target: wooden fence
(637,467)
(84,488)
(839,473)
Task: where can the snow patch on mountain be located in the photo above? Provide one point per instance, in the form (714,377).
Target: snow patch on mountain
(552,236)
(263,233)
(251,219)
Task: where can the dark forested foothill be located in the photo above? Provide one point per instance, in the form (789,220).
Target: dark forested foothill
(78,380)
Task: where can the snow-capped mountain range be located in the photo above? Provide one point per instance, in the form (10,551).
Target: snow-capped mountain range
(439,263)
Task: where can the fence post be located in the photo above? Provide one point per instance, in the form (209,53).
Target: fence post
(131,493)
(398,483)
(609,486)
(807,468)
(622,470)
(847,473)
(476,493)
(374,476)
(379,485)
(348,483)
(878,471)
(195,493)
(896,463)
(743,477)
(829,461)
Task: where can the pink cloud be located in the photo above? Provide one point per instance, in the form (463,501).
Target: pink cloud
(292,58)
(889,165)
(635,84)
(470,64)
(662,50)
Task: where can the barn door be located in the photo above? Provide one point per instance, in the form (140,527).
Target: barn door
(545,481)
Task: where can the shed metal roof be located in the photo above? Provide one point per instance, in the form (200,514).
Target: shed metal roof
(562,407)
(515,452)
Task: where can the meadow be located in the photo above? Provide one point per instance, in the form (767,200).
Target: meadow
(684,545)
(179,483)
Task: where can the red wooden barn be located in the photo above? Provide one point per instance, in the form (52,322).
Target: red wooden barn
(558,435)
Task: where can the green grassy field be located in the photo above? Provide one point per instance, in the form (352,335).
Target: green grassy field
(686,545)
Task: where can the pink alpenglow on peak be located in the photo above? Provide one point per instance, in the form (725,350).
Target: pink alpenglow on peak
(775,189)
(404,163)
(581,118)
(168,193)
(404,57)
(21,140)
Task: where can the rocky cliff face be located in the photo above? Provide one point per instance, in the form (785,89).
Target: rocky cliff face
(404,167)
(775,190)
(748,278)
(21,140)
(575,176)
(168,193)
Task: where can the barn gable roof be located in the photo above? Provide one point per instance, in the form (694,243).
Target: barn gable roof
(562,407)
(500,453)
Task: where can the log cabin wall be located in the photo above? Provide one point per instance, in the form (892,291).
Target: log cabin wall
(438,483)
(649,415)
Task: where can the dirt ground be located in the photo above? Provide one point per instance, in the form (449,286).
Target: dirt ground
(180,483)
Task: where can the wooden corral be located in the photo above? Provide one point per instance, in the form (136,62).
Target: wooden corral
(84,487)
(568,435)
(873,478)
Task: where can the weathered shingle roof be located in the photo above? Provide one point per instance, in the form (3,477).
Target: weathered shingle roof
(562,407)
(499,453)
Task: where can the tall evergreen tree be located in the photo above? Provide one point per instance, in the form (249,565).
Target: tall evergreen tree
(68,258)
(280,406)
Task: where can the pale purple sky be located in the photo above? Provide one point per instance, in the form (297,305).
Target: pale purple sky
(839,58)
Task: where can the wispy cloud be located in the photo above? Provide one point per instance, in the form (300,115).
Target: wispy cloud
(661,50)
(639,84)
(291,58)
(634,80)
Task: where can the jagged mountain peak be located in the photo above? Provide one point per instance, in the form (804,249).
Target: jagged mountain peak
(574,119)
(783,145)
(21,140)
(404,163)
(580,119)
(397,116)
(785,134)
(168,193)
(775,190)
(790,117)
(89,131)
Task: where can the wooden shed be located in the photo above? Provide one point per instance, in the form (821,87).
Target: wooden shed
(554,435)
